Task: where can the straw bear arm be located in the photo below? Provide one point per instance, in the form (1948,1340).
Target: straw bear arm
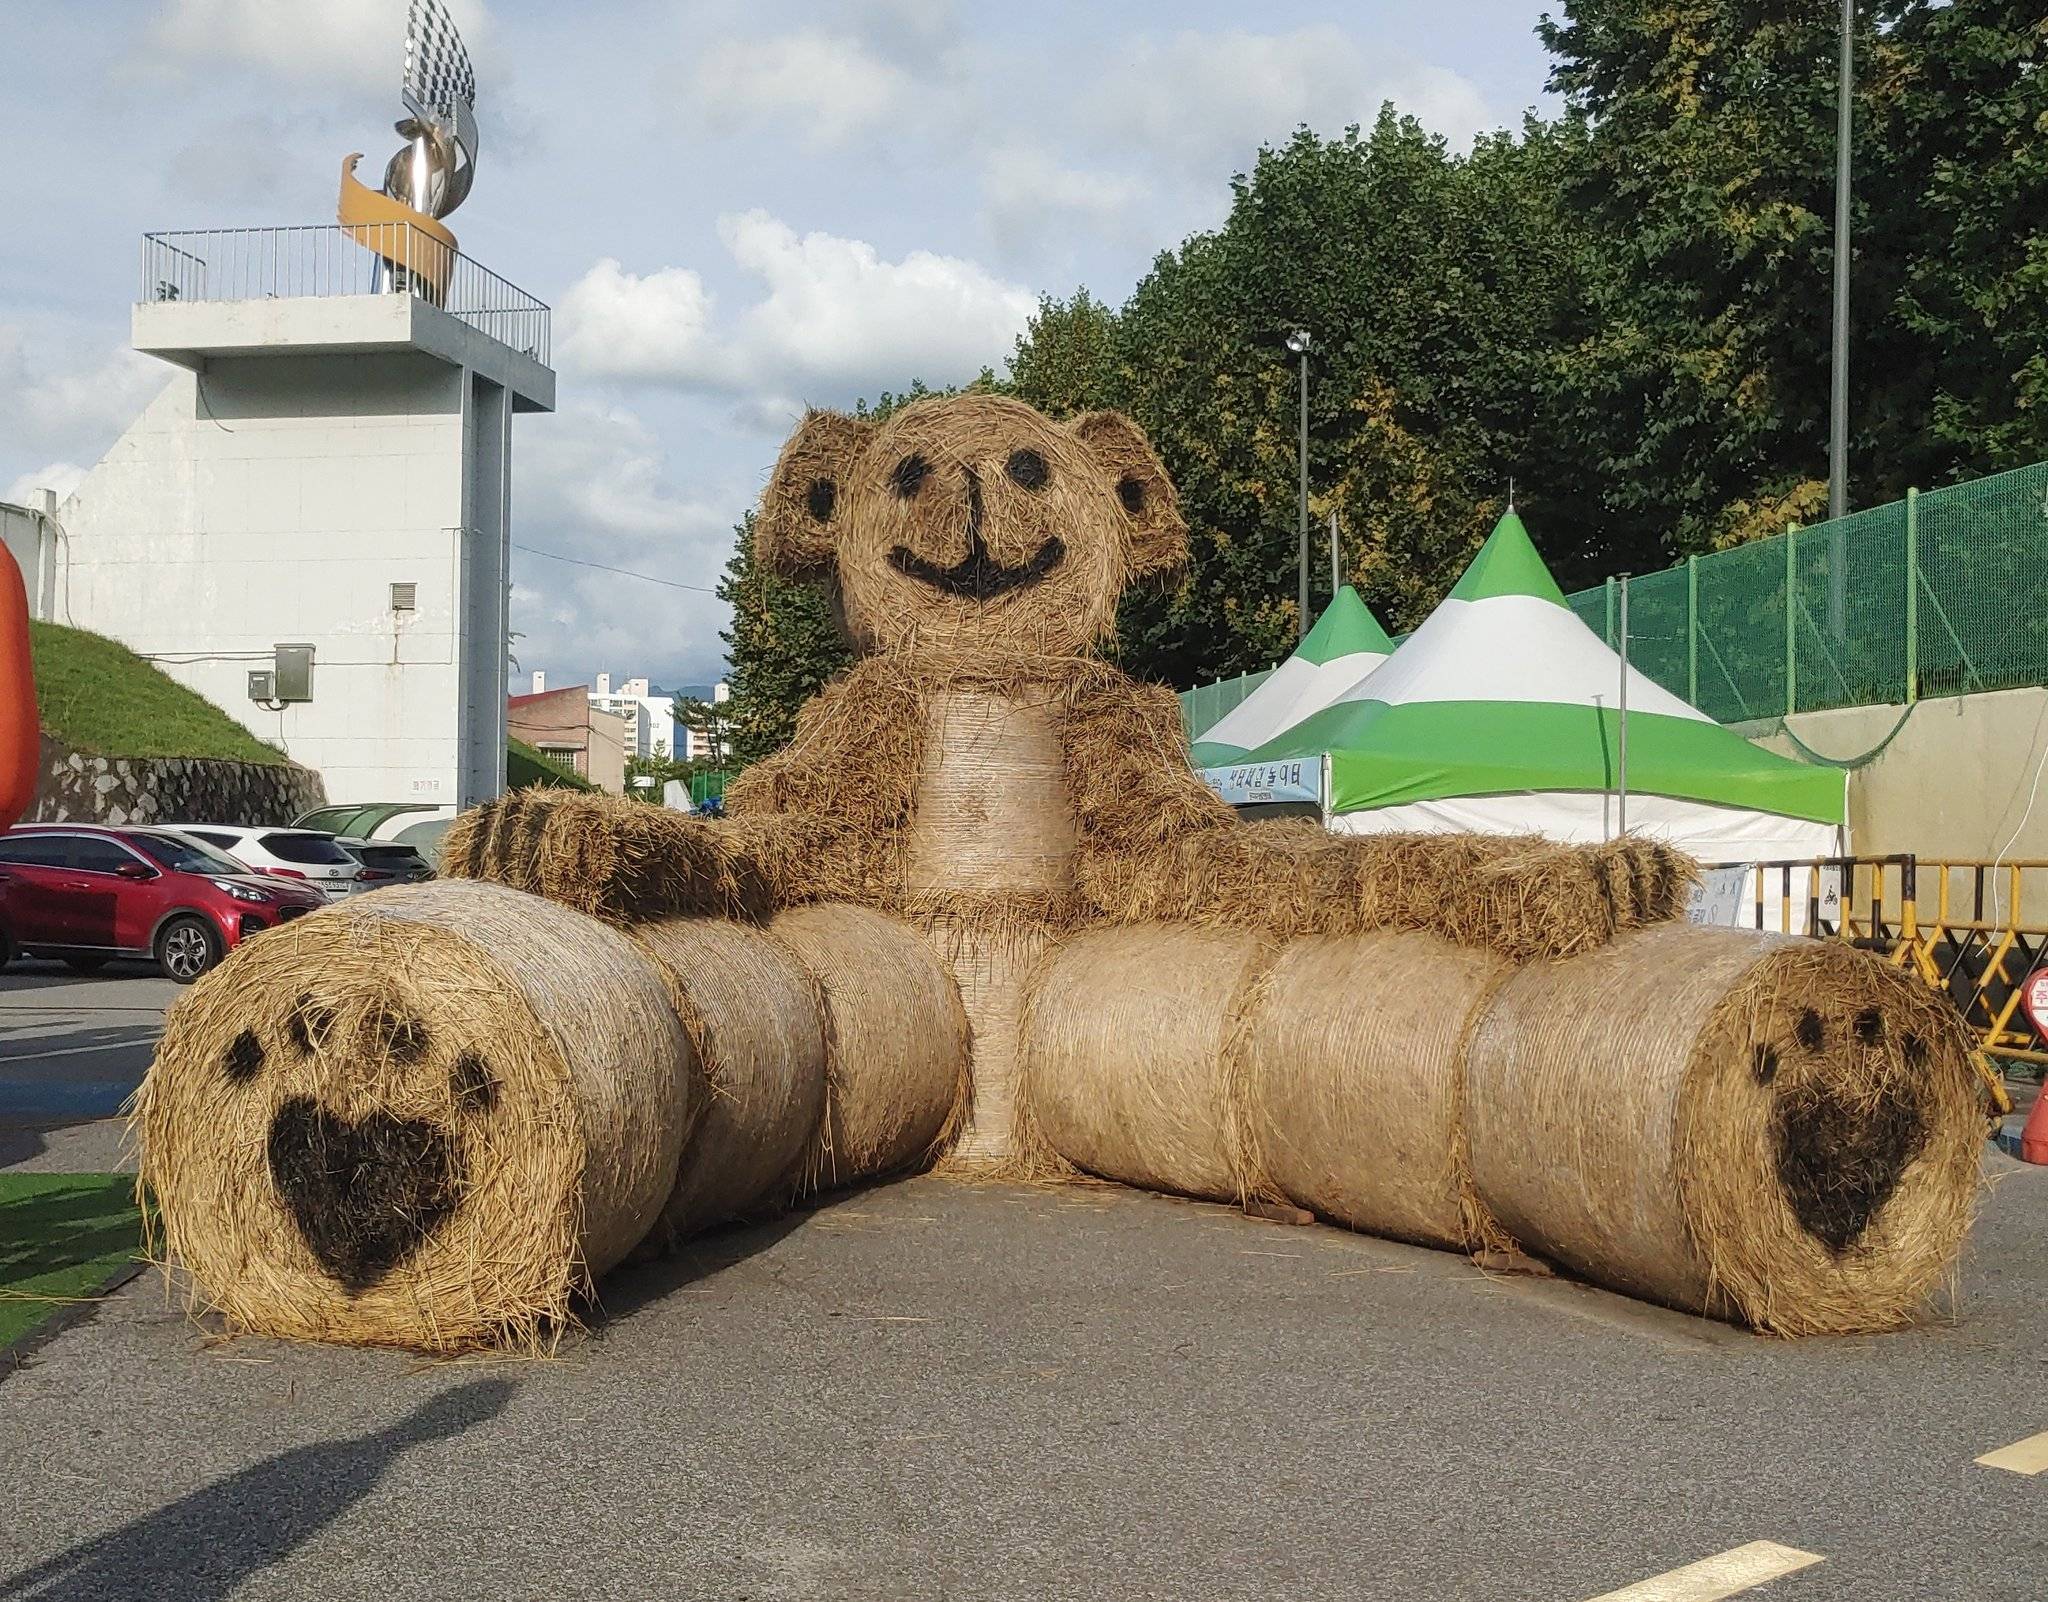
(1157,845)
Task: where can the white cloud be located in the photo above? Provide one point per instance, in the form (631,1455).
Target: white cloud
(833,318)
(1035,206)
(618,324)
(66,399)
(358,42)
(1205,101)
(63,477)
(830,86)
(594,482)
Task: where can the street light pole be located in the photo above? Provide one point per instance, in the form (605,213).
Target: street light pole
(1838,388)
(1298,342)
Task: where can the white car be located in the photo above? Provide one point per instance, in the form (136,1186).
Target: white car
(303,854)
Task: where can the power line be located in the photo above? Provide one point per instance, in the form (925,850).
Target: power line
(623,572)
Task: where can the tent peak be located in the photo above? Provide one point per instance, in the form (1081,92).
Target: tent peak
(1507,564)
(1346,628)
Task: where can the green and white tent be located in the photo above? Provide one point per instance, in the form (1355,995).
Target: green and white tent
(1500,714)
(1345,645)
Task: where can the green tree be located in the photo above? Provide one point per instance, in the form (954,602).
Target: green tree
(1706,184)
(1961,189)
(783,645)
(1435,284)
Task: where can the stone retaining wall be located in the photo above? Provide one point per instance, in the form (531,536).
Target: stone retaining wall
(77,788)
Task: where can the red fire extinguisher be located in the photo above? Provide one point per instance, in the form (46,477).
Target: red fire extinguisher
(20,734)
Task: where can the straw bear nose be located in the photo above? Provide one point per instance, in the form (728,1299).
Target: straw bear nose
(365,1193)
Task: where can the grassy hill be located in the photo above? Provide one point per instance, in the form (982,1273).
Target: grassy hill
(95,695)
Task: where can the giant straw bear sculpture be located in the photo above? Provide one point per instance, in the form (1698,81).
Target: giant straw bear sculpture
(981,913)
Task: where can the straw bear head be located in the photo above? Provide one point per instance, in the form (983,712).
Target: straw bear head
(971,521)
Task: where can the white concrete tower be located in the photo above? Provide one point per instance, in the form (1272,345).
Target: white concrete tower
(311,525)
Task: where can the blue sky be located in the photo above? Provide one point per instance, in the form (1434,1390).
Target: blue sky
(735,209)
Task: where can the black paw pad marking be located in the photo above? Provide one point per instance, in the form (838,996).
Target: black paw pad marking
(1870,1027)
(403,1040)
(474,1086)
(1812,1034)
(1915,1049)
(243,1060)
(1765,1064)
(365,1194)
(308,1025)
(1840,1162)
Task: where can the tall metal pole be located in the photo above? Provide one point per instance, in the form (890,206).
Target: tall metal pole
(1304,489)
(1621,733)
(1838,398)
(1336,564)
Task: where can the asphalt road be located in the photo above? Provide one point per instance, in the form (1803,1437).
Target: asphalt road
(72,1047)
(932,1390)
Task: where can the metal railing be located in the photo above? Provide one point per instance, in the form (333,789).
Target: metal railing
(1963,926)
(319,260)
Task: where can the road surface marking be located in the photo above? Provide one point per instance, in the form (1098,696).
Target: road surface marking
(2022,1457)
(1724,1574)
(78,1051)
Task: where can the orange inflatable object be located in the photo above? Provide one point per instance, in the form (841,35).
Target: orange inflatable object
(20,734)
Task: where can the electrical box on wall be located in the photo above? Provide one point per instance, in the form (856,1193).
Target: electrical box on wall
(262,684)
(294,673)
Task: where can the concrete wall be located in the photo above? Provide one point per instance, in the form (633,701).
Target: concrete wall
(31,538)
(75,788)
(317,452)
(1955,781)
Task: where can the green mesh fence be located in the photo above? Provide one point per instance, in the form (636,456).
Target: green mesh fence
(1938,594)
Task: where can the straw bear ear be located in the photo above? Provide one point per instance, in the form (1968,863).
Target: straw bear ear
(1151,510)
(803,511)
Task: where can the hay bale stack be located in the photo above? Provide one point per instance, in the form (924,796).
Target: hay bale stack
(989,877)
(1354,1083)
(1127,1059)
(756,1018)
(895,1037)
(1778,1130)
(424,1118)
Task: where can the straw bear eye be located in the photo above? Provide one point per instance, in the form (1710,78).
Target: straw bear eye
(404,1039)
(243,1060)
(821,499)
(1131,492)
(908,476)
(1026,468)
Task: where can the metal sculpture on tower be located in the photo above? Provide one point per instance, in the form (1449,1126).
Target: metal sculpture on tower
(430,175)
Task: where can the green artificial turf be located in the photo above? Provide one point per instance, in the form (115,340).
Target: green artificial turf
(97,696)
(62,1237)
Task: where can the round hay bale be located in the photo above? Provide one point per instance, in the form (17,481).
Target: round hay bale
(1125,1038)
(895,1039)
(1354,1083)
(1778,1130)
(426,1118)
(756,1018)
(989,876)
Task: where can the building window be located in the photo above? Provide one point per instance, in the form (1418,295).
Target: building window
(404,597)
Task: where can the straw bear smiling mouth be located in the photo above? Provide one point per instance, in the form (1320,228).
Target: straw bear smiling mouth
(978,575)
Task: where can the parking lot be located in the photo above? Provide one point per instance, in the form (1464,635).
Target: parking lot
(72,1047)
(940,1390)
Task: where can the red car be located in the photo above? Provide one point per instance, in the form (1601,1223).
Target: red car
(87,894)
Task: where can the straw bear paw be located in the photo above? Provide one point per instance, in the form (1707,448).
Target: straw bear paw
(365,1192)
(1644,881)
(619,860)
(1847,1118)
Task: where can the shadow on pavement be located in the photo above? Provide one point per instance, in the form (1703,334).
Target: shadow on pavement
(202,1546)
